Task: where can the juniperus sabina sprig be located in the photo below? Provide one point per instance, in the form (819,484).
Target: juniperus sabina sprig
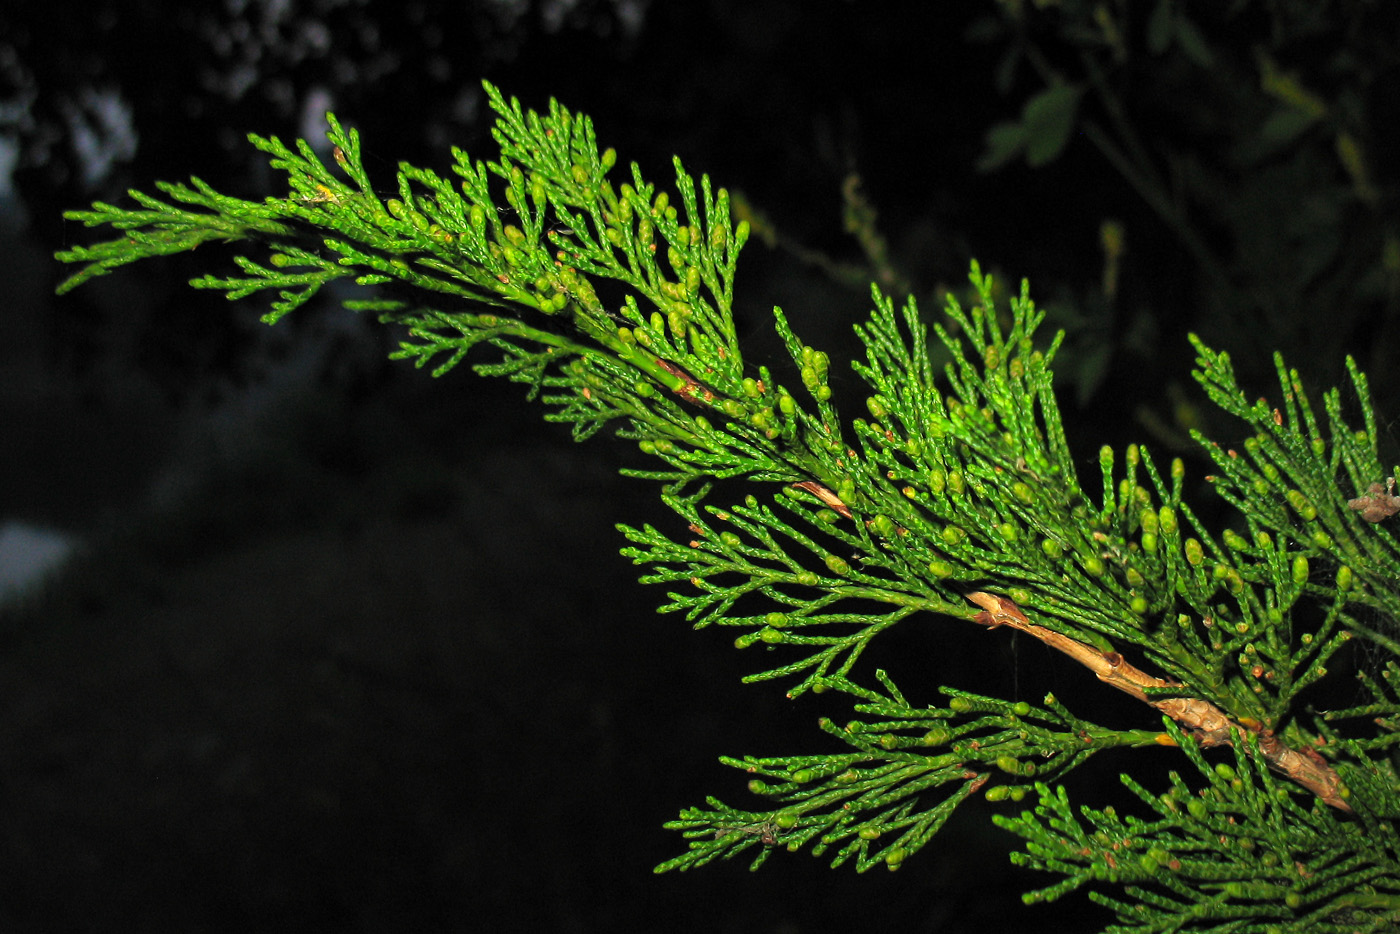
(953,501)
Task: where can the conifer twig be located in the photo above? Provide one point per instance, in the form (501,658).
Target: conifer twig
(1207,722)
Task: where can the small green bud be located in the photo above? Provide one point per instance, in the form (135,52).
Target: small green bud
(1009,764)
(1053,549)
(776,620)
(1138,605)
(998,793)
(1344,578)
(729,539)
(1166,520)
(673,256)
(1094,566)
(960,705)
(869,833)
(1021,709)
(807,578)
(786,820)
(1023,493)
(953,536)
(1194,553)
(1106,458)
(1300,569)
(608,159)
(940,569)
(1007,531)
(1149,543)
(773,636)
(877,406)
(837,565)
(937,736)
(1305,509)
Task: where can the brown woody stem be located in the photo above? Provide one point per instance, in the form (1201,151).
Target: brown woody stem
(1207,722)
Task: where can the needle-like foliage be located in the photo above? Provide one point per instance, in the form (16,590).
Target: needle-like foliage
(954,500)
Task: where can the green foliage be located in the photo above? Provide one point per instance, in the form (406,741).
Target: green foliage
(1240,852)
(955,494)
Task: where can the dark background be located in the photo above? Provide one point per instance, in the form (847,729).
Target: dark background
(347,648)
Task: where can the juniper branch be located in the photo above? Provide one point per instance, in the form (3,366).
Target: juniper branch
(958,498)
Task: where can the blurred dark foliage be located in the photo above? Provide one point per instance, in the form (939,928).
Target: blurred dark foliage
(1248,151)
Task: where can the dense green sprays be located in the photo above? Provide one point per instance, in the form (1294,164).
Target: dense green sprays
(952,501)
